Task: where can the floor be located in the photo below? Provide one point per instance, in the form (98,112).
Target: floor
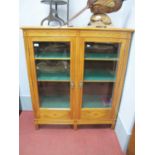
(63,140)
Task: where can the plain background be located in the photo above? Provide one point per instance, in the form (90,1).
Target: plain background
(144,79)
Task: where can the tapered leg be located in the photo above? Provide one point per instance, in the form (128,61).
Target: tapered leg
(113,125)
(36,126)
(75,126)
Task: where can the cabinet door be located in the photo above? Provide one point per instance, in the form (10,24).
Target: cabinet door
(52,71)
(101,61)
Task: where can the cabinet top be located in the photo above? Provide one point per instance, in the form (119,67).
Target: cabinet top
(75,28)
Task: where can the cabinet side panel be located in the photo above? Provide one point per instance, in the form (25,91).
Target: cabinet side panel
(27,52)
(34,75)
(120,78)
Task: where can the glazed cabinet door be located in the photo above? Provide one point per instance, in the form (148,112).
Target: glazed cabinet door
(52,73)
(102,62)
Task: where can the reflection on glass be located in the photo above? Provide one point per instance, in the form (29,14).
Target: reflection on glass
(97,95)
(51,50)
(100,70)
(53,70)
(100,67)
(101,50)
(54,95)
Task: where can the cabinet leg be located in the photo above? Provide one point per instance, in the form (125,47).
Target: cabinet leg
(113,125)
(75,126)
(36,126)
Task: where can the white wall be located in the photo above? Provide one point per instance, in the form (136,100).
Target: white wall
(126,114)
(31,14)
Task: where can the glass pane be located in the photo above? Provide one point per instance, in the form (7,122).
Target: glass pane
(52,61)
(101,51)
(100,71)
(100,68)
(53,70)
(52,50)
(54,95)
(97,95)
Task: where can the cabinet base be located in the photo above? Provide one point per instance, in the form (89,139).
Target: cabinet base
(109,123)
(78,126)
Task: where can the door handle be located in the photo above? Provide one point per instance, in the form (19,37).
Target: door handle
(72,84)
(81,84)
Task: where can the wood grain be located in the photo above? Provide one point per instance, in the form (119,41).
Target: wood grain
(95,114)
(55,114)
(29,69)
(76,28)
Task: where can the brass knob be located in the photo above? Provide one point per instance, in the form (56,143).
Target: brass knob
(81,84)
(72,84)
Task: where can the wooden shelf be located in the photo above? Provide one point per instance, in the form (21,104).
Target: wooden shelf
(99,76)
(52,56)
(55,101)
(53,76)
(95,101)
(101,56)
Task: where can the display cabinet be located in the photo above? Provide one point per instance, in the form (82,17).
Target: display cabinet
(76,75)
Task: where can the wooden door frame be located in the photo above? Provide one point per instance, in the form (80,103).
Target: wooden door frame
(32,70)
(121,69)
